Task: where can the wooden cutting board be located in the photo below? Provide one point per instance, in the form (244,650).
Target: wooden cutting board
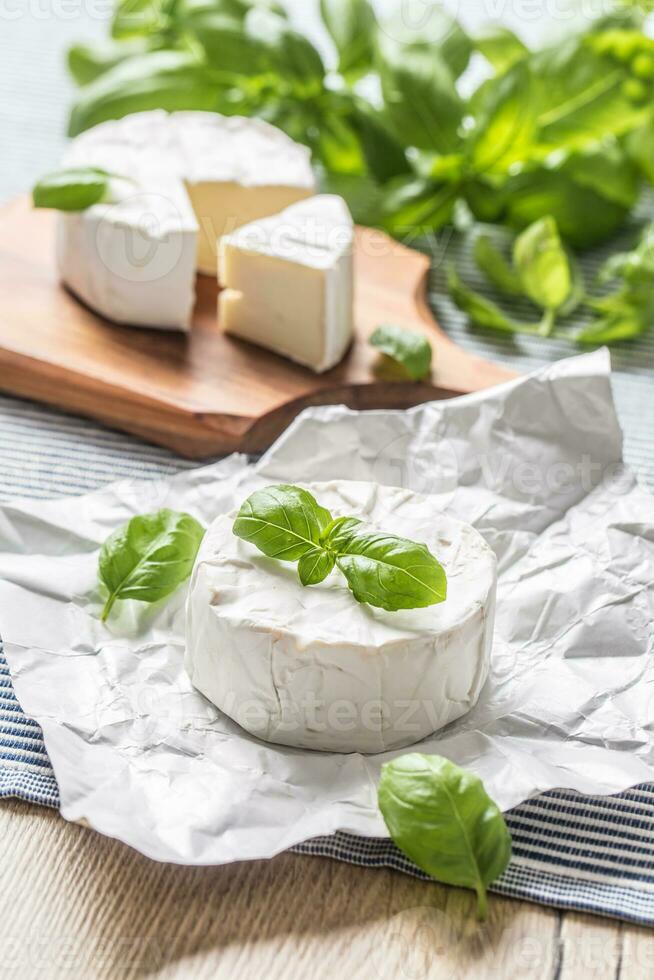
(204,394)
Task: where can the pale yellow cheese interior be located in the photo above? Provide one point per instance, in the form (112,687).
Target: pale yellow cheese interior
(273,303)
(222,207)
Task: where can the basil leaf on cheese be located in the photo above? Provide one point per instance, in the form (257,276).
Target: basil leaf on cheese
(149,557)
(283,522)
(384,570)
(315,566)
(407,348)
(72,190)
(443,819)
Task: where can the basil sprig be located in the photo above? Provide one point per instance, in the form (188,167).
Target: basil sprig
(443,819)
(564,130)
(407,348)
(149,557)
(540,269)
(383,570)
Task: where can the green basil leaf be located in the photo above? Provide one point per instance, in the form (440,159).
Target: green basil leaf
(421,103)
(384,155)
(133,18)
(409,349)
(159,80)
(283,522)
(501,48)
(621,317)
(426,23)
(606,171)
(443,819)
(87,62)
(295,57)
(149,557)
(364,196)
(315,566)
(640,147)
(384,570)
(566,98)
(75,189)
(416,205)
(542,263)
(491,261)
(481,311)
(352,26)
(229,46)
(584,217)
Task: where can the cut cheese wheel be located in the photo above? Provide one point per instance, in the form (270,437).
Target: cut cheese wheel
(235,170)
(311,667)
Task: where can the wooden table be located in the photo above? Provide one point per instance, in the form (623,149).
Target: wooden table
(77,905)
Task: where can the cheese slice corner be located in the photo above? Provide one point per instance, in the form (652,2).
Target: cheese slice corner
(289,282)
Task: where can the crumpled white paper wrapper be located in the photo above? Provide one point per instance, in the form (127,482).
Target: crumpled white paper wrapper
(535,465)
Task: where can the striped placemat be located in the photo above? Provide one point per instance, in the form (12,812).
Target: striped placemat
(594,854)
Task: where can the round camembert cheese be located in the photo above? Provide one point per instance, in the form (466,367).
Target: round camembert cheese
(312,667)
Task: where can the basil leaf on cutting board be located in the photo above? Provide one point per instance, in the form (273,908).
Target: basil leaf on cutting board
(411,350)
(442,818)
(149,557)
(382,570)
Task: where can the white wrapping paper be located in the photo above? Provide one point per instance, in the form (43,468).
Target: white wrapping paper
(535,465)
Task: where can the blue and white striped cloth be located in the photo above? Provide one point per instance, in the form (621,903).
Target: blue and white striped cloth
(594,854)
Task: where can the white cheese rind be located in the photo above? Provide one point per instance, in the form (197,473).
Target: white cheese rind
(315,669)
(235,169)
(289,282)
(133,261)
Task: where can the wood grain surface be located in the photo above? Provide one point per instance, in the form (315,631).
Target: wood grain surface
(77,905)
(205,394)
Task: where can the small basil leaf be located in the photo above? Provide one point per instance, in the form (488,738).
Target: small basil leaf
(387,571)
(352,25)
(228,45)
(501,47)
(315,566)
(542,263)
(409,349)
(426,23)
(283,522)
(481,311)
(295,58)
(443,819)
(149,557)
(495,267)
(422,105)
(87,62)
(415,205)
(74,189)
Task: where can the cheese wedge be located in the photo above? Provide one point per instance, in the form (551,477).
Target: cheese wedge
(235,170)
(134,261)
(311,667)
(289,282)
